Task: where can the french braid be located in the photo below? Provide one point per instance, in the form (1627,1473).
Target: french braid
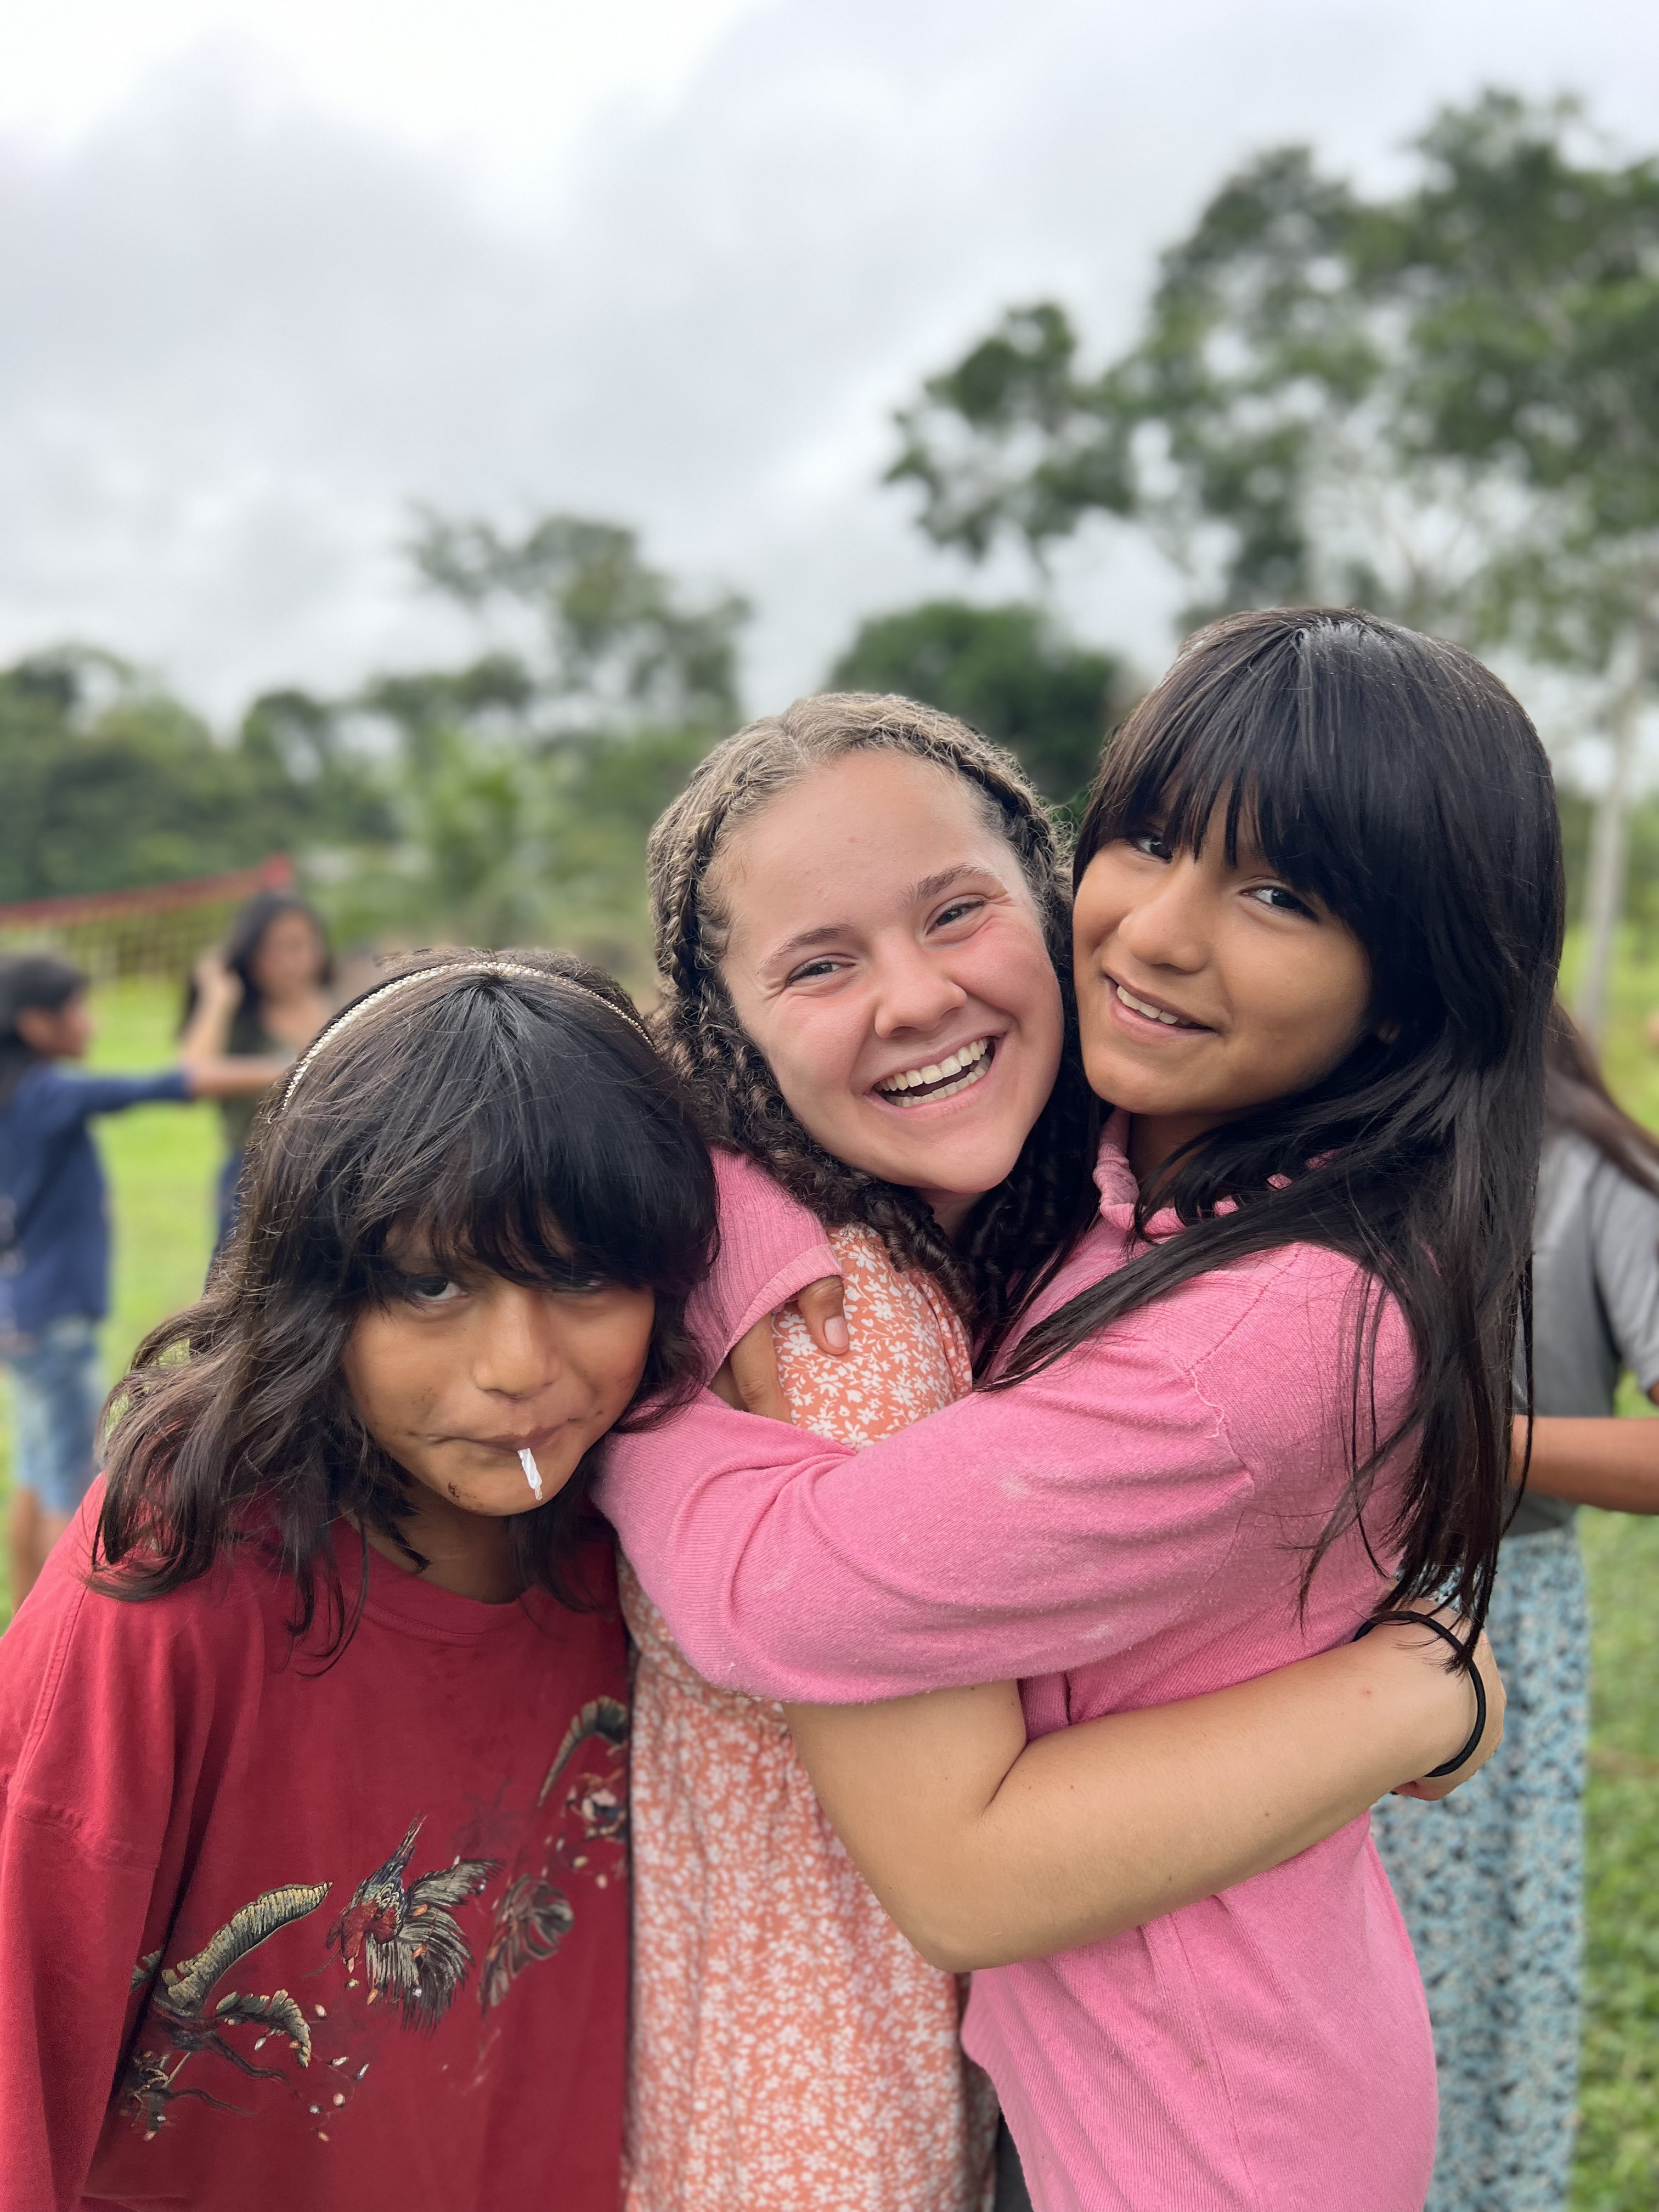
(1016,1234)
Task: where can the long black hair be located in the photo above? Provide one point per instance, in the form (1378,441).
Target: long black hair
(241,948)
(1576,1097)
(508,1107)
(1394,779)
(30,981)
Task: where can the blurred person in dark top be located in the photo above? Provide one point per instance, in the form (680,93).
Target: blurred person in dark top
(1491,1881)
(54,1233)
(263,996)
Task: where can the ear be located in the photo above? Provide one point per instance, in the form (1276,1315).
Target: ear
(37,1026)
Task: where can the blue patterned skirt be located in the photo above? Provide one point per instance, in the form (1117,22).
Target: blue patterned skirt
(1491,1881)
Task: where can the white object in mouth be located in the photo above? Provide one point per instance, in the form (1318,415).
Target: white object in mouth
(532,1473)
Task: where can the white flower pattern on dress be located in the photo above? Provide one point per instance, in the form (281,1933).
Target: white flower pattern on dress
(790,2051)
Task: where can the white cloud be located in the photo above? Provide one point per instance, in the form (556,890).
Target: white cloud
(272,275)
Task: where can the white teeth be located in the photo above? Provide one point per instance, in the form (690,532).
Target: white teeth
(1140,1006)
(967,1061)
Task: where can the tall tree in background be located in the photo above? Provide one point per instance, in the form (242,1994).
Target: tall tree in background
(524,783)
(110,782)
(1445,405)
(1007,671)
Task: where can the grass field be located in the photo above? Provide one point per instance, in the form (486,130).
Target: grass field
(162,1161)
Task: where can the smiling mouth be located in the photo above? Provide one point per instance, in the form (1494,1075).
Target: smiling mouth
(1146,1008)
(958,1070)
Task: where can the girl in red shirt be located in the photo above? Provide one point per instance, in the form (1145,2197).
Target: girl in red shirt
(312,1887)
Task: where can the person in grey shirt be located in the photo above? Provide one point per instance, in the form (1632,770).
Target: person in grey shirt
(1491,1881)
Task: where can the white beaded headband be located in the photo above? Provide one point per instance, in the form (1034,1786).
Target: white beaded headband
(447,968)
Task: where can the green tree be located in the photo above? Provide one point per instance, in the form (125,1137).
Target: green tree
(1007,671)
(1444,404)
(523,784)
(110,782)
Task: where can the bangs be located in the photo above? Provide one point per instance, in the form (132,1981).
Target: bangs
(1280,748)
(503,1125)
(534,1189)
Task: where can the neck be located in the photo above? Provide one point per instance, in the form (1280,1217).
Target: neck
(465,1553)
(1155,1138)
(950,1208)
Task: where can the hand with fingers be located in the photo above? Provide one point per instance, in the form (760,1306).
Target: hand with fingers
(1436,1785)
(748,1378)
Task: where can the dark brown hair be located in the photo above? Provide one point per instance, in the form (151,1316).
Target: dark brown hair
(1394,780)
(1576,1097)
(508,1107)
(30,981)
(1016,1234)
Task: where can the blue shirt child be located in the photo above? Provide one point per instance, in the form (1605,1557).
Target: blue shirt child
(54,1221)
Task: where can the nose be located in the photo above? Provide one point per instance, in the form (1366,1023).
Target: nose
(913,991)
(1165,927)
(517,1354)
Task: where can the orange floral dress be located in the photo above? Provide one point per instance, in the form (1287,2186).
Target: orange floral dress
(790,2051)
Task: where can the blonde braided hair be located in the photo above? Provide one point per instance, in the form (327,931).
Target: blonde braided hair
(1017,1232)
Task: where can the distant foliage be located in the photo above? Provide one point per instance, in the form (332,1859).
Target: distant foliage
(109,782)
(1443,404)
(521,786)
(1006,671)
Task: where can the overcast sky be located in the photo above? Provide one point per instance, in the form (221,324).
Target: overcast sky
(274,270)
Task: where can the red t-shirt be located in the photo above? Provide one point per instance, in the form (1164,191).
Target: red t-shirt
(338,1935)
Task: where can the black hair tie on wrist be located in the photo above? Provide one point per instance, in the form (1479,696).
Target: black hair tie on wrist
(1439,1629)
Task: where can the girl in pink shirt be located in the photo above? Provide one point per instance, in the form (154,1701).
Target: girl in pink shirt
(1317,923)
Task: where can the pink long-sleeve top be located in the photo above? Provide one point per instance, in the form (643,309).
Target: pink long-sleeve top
(1127,1528)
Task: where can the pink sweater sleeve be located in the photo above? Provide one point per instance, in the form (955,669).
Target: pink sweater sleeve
(770,1247)
(1014,1533)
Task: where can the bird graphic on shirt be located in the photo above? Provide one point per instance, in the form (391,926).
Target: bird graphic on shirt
(179,2004)
(531,1920)
(408,1938)
(604,1717)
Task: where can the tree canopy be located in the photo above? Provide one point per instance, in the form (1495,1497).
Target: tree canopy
(1006,671)
(1442,405)
(110,782)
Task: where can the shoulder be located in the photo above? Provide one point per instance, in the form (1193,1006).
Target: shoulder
(98,1693)
(1247,1304)
(1620,1204)
(770,1247)
(1271,1340)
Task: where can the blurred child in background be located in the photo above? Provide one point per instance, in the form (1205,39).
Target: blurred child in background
(54,1233)
(263,996)
(1491,1883)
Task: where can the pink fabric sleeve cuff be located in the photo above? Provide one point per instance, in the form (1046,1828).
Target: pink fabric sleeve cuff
(771,1246)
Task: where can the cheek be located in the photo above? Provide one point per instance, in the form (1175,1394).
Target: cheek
(617,1350)
(391,1370)
(812,1055)
(1095,911)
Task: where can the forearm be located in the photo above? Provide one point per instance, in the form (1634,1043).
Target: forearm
(1612,1463)
(238,1076)
(986,1850)
(206,1035)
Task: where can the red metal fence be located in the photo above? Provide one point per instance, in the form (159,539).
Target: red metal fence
(152,929)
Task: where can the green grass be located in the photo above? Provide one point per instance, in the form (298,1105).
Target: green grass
(161,1162)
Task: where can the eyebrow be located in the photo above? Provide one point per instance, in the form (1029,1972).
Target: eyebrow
(928,887)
